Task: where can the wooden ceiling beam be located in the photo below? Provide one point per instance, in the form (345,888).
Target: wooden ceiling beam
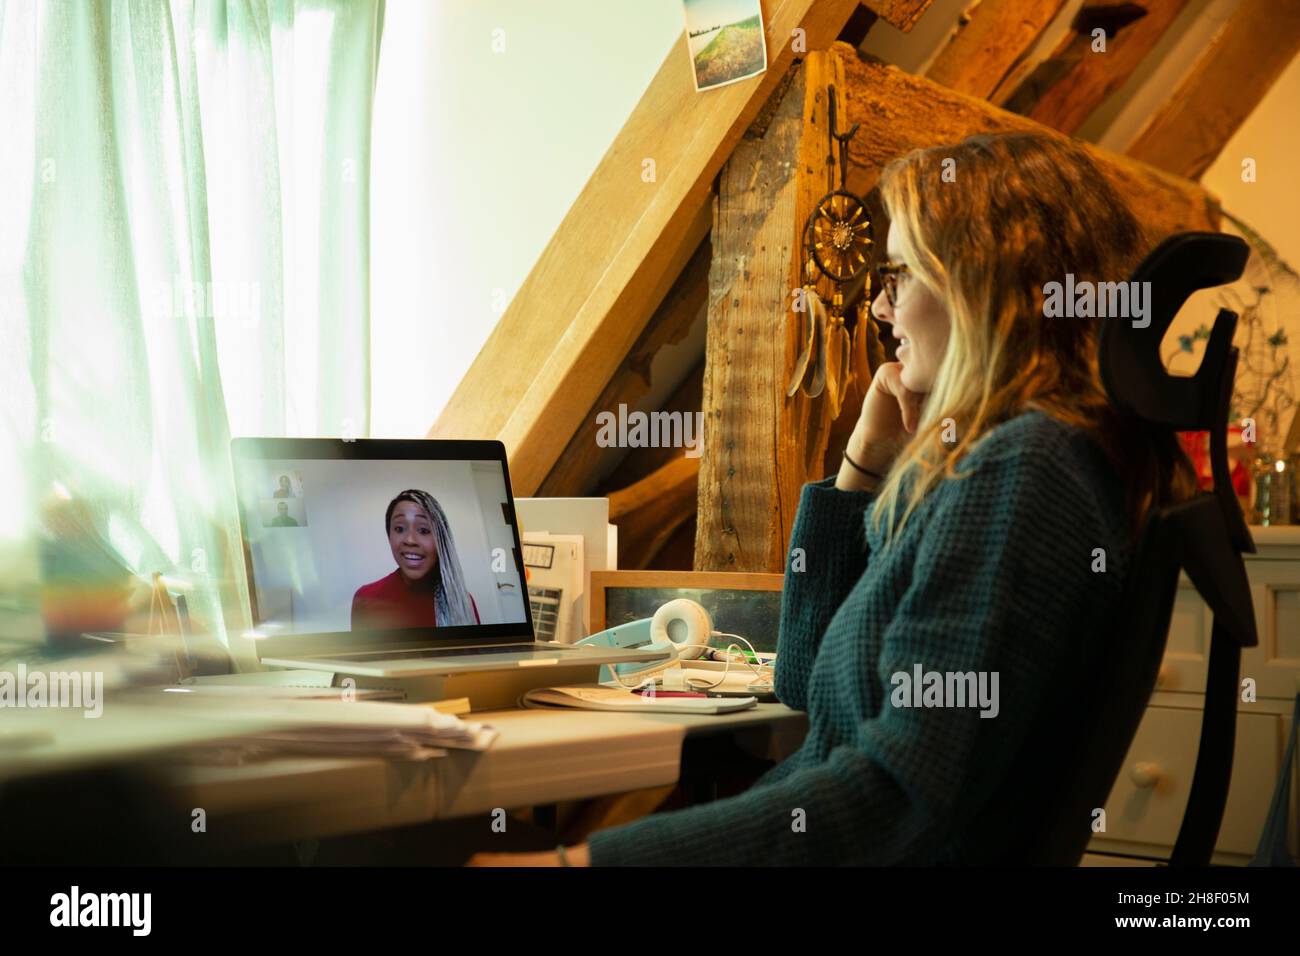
(992,40)
(639,462)
(620,247)
(859,25)
(900,13)
(761,446)
(649,512)
(1239,66)
(578,469)
(1065,88)
(900,112)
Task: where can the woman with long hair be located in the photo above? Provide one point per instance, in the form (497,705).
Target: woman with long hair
(428,587)
(986,474)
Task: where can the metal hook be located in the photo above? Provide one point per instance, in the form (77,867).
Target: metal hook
(841,138)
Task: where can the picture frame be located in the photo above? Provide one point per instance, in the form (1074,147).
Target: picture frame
(745,603)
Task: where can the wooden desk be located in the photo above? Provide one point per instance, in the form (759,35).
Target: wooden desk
(540,757)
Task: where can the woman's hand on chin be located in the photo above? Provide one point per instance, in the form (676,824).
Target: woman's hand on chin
(577,856)
(890,414)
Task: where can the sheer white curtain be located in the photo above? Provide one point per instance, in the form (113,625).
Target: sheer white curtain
(183,255)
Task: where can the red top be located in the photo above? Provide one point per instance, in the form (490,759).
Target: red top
(394,602)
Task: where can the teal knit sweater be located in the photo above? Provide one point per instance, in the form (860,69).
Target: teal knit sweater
(996,572)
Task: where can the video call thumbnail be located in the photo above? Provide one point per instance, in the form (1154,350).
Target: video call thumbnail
(339,545)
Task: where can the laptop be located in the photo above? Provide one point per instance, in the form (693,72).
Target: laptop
(390,559)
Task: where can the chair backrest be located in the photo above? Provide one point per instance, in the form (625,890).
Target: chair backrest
(1075,752)
(1074,756)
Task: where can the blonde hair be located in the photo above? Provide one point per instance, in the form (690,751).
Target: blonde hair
(1025,209)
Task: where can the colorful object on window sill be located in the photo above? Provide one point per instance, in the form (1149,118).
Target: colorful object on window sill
(1275,490)
(1240,456)
(165,623)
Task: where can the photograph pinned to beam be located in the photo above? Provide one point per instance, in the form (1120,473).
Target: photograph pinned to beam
(725,41)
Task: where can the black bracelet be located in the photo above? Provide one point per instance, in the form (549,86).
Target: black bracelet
(866,471)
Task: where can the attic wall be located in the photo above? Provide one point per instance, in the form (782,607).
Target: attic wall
(525,123)
(1271,136)
(1271,204)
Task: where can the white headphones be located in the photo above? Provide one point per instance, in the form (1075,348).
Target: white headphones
(685,625)
(682,627)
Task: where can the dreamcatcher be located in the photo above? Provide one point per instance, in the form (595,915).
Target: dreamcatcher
(836,247)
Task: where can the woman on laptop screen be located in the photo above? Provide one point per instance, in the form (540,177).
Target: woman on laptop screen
(428,588)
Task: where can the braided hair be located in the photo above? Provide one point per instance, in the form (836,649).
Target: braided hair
(451,599)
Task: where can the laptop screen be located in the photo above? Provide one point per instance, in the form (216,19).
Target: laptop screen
(363,535)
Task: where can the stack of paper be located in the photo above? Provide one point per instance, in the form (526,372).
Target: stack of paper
(351,729)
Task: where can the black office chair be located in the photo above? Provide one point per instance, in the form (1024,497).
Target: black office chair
(1206,535)
(1075,754)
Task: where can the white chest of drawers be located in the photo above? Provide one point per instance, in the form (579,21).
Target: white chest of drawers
(1145,807)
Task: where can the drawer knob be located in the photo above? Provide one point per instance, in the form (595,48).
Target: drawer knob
(1144,774)
(1163,675)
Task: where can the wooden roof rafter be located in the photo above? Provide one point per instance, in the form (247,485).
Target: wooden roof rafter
(989,42)
(1231,76)
(1063,90)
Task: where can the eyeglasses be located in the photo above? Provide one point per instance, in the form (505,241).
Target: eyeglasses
(889,273)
